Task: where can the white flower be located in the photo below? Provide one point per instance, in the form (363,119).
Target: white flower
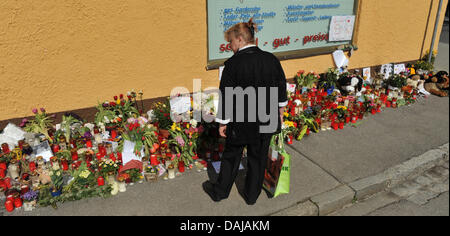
(298,102)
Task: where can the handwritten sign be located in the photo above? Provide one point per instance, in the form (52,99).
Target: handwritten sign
(399,68)
(341,28)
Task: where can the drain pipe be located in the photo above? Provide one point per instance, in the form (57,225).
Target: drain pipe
(435,30)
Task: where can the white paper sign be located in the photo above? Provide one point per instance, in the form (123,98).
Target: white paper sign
(180,105)
(399,68)
(291,87)
(366,75)
(340,59)
(128,152)
(43,150)
(386,69)
(341,28)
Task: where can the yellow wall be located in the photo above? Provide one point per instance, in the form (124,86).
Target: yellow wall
(69,54)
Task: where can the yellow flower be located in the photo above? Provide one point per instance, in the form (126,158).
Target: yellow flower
(342,107)
(286,114)
(118,102)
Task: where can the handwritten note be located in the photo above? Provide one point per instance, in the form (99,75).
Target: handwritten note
(341,28)
(180,105)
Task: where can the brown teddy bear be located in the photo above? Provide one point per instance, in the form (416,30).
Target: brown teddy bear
(438,84)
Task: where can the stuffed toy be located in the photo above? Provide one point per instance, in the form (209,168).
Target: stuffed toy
(438,84)
(351,84)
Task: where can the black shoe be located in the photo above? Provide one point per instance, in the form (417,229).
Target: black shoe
(250,203)
(208,187)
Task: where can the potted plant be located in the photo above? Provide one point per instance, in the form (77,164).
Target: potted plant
(29,199)
(57,182)
(329,81)
(151,173)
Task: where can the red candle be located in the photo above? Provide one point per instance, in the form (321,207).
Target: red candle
(374,111)
(334,125)
(24,189)
(55,148)
(100,181)
(99,156)
(153,160)
(18,202)
(5,148)
(74,156)
(347,119)
(354,119)
(3,165)
(181,167)
(308,131)
(9,205)
(290,140)
(113,134)
(112,157)
(32,166)
(341,125)
(388,104)
(2,173)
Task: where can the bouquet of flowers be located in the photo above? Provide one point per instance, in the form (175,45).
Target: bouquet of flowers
(306,80)
(161,113)
(183,142)
(41,124)
(30,196)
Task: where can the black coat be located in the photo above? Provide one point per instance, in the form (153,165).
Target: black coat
(251,68)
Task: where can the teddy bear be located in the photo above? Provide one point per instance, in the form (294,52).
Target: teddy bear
(438,84)
(351,84)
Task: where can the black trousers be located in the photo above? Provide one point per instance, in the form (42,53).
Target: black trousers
(257,155)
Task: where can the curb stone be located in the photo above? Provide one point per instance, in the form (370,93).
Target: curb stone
(302,209)
(334,199)
(398,174)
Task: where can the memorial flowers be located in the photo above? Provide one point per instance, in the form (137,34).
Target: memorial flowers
(41,124)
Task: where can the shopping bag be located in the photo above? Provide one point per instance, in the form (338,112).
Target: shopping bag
(277,173)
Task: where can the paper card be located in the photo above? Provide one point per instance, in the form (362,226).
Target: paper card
(180,105)
(340,59)
(341,28)
(291,87)
(366,75)
(216,165)
(44,150)
(399,68)
(386,69)
(221,72)
(128,152)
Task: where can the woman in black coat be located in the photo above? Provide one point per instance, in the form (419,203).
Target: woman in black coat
(258,85)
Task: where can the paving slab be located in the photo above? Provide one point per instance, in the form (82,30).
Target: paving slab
(381,141)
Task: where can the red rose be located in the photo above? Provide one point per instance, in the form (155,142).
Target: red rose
(121,96)
(115,98)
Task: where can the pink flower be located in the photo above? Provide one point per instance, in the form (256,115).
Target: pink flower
(42,110)
(35,111)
